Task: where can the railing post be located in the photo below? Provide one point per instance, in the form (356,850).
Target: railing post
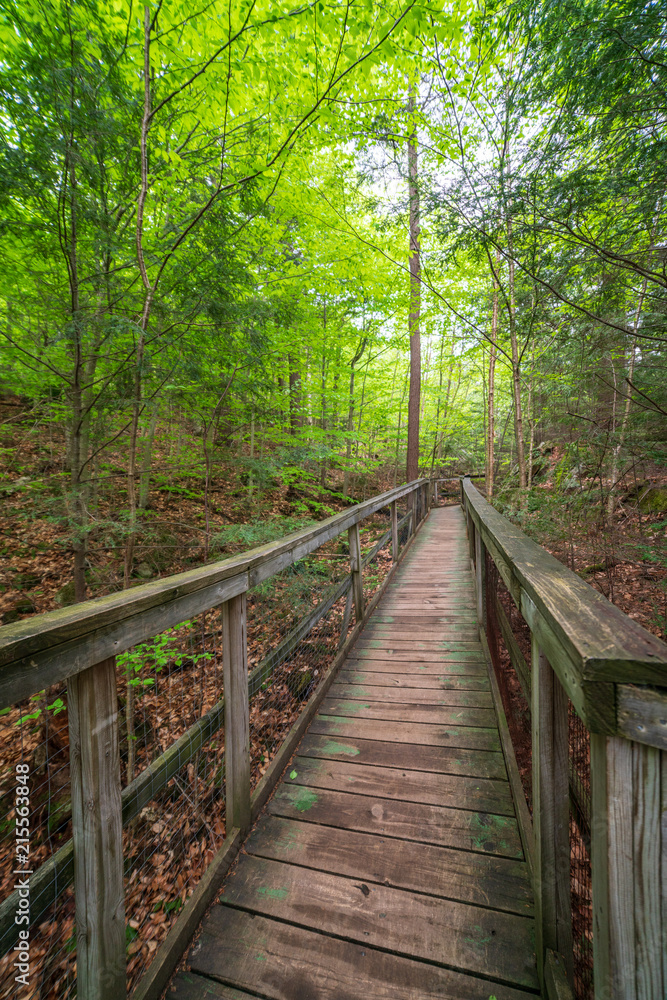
(551,813)
(627,862)
(480,579)
(435,491)
(237,724)
(355,570)
(394,532)
(471,537)
(97,832)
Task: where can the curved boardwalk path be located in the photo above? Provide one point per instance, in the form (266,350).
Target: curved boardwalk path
(388,863)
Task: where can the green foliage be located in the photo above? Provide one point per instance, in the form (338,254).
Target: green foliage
(259,532)
(157,654)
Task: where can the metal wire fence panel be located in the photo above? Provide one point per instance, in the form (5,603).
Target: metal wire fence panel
(35,824)
(296,623)
(170,694)
(517,711)
(580,858)
(172,743)
(168,848)
(515,703)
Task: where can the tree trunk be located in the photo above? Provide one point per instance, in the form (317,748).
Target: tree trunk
(147,457)
(323,402)
(350,418)
(412,459)
(616,453)
(491,399)
(294,396)
(516,367)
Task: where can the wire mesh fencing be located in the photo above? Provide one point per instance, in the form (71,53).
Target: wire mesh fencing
(172,743)
(581,879)
(169,697)
(171,739)
(297,623)
(510,645)
(35,827)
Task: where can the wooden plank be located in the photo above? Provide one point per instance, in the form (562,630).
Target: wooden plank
(416,926)
(444,715)
(419,655)
(556,982)
(397,783)
(466,618)
(92,704)
(418,581)
(428,604)
(409,733)
(435,871)
(663,864)
(551,817)
(647,863)
(355,571)
(612,868)
(237,725)
(188,986)
(480,579)
(355,674)
(427,645)
(642,714)
(601,642)
(439,668)
(594,702)
(419,822)
(411,696)
(281,962)
(437,760)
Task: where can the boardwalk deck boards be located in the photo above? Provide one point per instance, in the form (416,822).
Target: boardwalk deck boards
(388,863)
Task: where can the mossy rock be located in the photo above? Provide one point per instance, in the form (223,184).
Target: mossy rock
(66,595)
(654,500)
(302,684)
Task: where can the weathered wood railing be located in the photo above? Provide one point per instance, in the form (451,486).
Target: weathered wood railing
(79,644)
(614,674)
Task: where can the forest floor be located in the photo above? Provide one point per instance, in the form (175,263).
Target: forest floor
(184,526)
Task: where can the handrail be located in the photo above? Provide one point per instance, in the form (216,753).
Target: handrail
(604,781)
(80,644)
(591,645)
(48,648)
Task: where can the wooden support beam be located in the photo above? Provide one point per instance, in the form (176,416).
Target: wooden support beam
(628,849)
(237,725)
(92,707)
(394,532)
(480,579)
(551,804)
(355,571)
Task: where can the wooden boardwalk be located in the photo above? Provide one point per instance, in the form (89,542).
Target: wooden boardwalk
(388,863)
